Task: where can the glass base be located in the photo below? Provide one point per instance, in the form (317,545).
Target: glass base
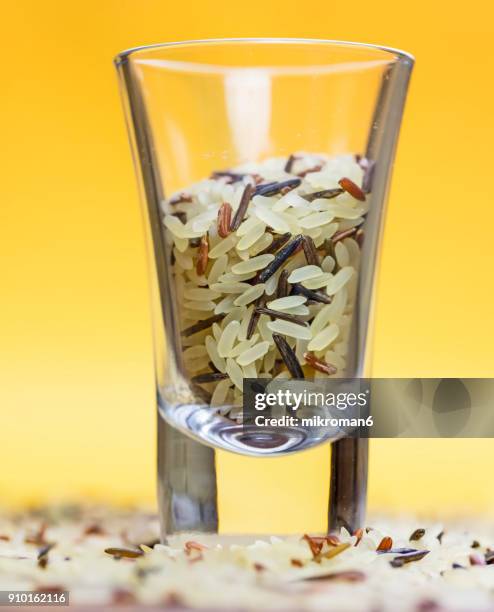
(188,485)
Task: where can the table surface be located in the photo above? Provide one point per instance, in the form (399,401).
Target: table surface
(106,558)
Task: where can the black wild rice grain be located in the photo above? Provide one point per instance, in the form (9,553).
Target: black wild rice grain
(288,356)
(310,251)
(263,186)
(408,558)
(118,553)
(200,325)
(417,534)
(283,288)
(43,562)
(281,256)
(397,551)
(254,318)
(328,248)
(310,294)
(273,188)
(328,194)
(276,244)
(289,163)
(233,176)
(489,557)
(43,555)
(45,550)
(209,377)
(277,314)
(212,366)
(242,208)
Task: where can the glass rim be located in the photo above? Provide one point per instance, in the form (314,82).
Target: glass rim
(399,55)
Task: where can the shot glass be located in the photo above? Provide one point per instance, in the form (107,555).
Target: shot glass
(246,150)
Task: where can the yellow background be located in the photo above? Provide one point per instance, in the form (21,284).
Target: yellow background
(76,395)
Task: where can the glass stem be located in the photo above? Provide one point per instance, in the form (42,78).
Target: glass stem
(348,484)
(187,494)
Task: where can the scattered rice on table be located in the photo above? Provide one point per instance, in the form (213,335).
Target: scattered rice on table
(396,565)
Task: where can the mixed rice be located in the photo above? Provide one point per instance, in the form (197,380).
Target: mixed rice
(265,260)
(107,557)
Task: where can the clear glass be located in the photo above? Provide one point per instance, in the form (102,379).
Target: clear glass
(199,107)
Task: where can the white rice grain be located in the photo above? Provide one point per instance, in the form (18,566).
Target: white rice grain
(195,352)
(223,246)
(250,295)
(248,225)
(230,287)
(339,280)
(227,339)
(176,227)
(200,305)
(220,392)
(235,373)
(290,301)
(252,354)
(251,237)
(342,254)
(316,220)
(301,310)
(324,338)
(183,260)
(277,222)
(304,273)
(328,264)
(217,331)
(217,269)
(196,294)
(235,314)
(264,241)
(318,282)
(321,319)
(254,264)
(226,305)
(212,350)
(290,329)
(272,283)
(250,371)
